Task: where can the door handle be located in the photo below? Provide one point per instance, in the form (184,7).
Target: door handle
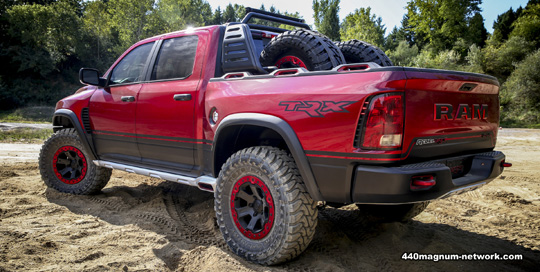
(182,97)
(128,98)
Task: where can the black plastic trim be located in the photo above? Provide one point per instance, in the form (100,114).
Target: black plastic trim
(274,15)
(391,185)
(440,71)
(490,79)
(352,155)
(278,18)
(450,148)
(155,136)
(348,181)
(218,72)
(77,125)
(285,131)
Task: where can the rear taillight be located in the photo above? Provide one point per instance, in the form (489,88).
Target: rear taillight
(384,124)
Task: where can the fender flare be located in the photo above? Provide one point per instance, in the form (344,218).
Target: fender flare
(286,132)
(85,138)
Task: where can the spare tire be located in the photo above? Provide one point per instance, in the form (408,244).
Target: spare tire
(302,48)
(356,51)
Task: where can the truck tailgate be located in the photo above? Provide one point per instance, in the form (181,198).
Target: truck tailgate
(449,112)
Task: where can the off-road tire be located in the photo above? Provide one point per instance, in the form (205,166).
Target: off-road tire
(356,51)
(393,213)
(295,214)
(313,49)
(65,146)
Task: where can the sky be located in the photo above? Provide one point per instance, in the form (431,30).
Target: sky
(391,11)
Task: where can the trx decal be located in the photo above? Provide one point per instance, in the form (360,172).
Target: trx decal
(316,108)
(464,111)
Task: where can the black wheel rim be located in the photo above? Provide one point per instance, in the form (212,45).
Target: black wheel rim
(69,165)
(252,207)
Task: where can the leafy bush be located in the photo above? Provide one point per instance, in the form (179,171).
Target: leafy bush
(447,59)
(404,54)
(500,61)
(520,94)
(474,59)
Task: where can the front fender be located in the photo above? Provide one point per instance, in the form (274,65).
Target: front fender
(59,122)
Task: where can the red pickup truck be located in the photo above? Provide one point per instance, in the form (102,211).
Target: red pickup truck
(198,108)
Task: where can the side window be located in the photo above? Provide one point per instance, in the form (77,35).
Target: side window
(130,68)
(176,58)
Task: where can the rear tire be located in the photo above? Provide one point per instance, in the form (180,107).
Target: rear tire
(262,207)
(302,48)
(65,166)
(394,213)
(356,51)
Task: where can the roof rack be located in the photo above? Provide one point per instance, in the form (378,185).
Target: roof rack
(273,17)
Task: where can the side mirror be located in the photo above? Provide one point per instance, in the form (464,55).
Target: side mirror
(90,76)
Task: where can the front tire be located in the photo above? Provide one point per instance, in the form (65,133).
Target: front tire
(262,207)
(65,166)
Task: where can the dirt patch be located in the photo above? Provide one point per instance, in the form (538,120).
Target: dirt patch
(144,224)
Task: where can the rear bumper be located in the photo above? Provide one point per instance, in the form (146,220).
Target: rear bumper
(346,181)
(392,185)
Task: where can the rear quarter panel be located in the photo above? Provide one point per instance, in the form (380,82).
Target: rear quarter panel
(323,110)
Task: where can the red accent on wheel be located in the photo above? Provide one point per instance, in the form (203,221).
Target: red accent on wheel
(290,62)
(252,207)
(69,165)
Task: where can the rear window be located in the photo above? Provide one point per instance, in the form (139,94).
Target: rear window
(176,58)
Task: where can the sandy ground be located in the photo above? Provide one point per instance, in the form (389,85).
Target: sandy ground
(144,224)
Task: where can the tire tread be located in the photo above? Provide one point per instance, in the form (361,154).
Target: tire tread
(300,208)
(96,177)
(356,51)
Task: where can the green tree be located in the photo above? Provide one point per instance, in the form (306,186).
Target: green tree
(217,18)
(364,26)
(130,19)
(477,32)
(520,95)
(48,36)
(240,12)
(441,22)
(403,55)
(528,24)
(503,24)
(499,60)
(229,14)
(179,14)
(396,36)
(97,24)
(325,14)
(206,13)
(42,43)
(474,59)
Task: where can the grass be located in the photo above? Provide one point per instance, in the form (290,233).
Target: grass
(39,114)
(25,135)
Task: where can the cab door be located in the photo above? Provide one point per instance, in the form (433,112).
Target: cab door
(166,104)
(112,109)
